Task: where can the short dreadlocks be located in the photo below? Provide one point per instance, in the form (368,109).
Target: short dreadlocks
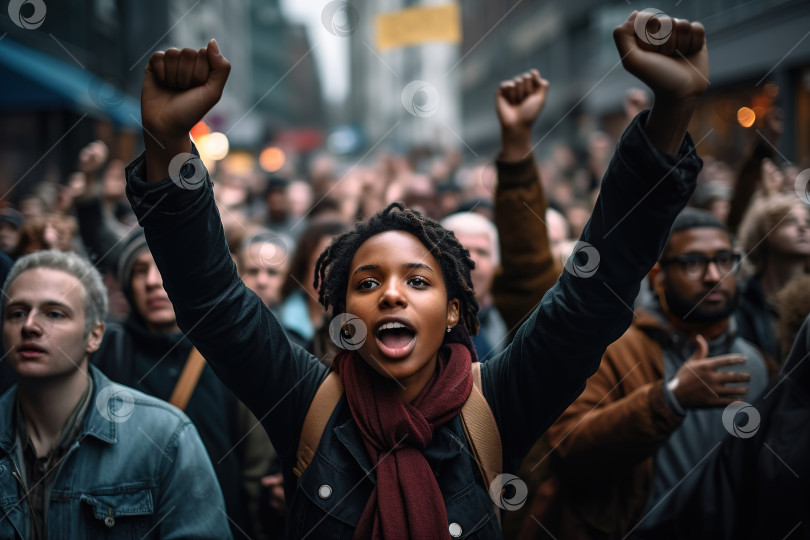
(332,268)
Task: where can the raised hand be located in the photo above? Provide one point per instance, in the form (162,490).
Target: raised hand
(700,384)
(92,157)
(179,88)
(518,103)
(520,100)
(670,56)
(667,54)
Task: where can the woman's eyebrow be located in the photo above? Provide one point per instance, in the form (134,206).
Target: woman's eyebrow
(365,267)
(410,266)
(420,266)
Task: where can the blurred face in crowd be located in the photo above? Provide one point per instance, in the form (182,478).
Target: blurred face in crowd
(577,217)
(115,183)
(9,237)
(276,204)
(481,252)
(562,193)
(264,267)
(557,233)
(720,208)
(792,235)
(44,326)
(32,208)
(151,300)
(395,281)
(687,292)
(299,195)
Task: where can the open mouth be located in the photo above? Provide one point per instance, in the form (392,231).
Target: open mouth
(395,340)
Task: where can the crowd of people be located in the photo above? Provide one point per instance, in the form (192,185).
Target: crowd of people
(257,356)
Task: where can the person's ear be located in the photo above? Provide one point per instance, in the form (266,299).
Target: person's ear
(94,339)
(657,278)
(453,312)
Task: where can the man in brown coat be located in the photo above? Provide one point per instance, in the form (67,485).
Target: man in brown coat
(653,412)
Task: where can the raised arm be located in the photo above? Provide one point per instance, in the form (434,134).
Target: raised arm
(98,237)
(528,269)
(648,182)
(748,179)
(172,196)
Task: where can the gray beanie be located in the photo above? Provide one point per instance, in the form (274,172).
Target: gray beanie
(131,247)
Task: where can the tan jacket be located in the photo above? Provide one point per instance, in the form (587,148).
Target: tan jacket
(605,442)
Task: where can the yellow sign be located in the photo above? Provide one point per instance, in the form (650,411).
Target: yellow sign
(418,25)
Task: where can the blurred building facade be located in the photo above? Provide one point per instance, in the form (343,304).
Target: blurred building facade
(404,97)
(286,88)
(95,52)
(751,44)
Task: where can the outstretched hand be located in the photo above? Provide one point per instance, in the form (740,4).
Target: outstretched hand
(518,103)
(92,157)
(179,88)
(671,57)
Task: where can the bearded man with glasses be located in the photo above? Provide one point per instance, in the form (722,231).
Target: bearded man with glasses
(655,408)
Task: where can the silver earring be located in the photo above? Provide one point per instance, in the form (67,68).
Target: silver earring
(448,329)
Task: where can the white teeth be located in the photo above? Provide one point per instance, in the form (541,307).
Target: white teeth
(391,326)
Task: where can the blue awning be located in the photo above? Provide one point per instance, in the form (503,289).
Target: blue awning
(30,79)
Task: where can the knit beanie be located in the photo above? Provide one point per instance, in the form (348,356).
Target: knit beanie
(130,248)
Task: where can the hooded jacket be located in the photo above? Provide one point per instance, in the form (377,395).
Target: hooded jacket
(606,443)
(752,486)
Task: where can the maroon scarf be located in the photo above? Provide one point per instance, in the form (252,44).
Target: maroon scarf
(406,502)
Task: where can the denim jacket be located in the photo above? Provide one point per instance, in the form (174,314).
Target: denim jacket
(137,469)
(527,386)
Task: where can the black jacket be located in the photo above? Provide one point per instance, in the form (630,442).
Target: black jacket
(527,386)
(757,319)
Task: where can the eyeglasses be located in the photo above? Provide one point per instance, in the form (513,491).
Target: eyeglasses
(694,266)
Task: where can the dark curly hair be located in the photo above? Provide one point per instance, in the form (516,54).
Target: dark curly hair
(332,268)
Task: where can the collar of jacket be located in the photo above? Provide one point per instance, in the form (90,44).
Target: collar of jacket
(153,341)
(652,321)
(448,443)
(94,425)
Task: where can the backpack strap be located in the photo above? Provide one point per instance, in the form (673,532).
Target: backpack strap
(188,379)
(320,410)
(481,431)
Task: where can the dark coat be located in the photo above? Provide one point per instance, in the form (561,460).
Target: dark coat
(757,319)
